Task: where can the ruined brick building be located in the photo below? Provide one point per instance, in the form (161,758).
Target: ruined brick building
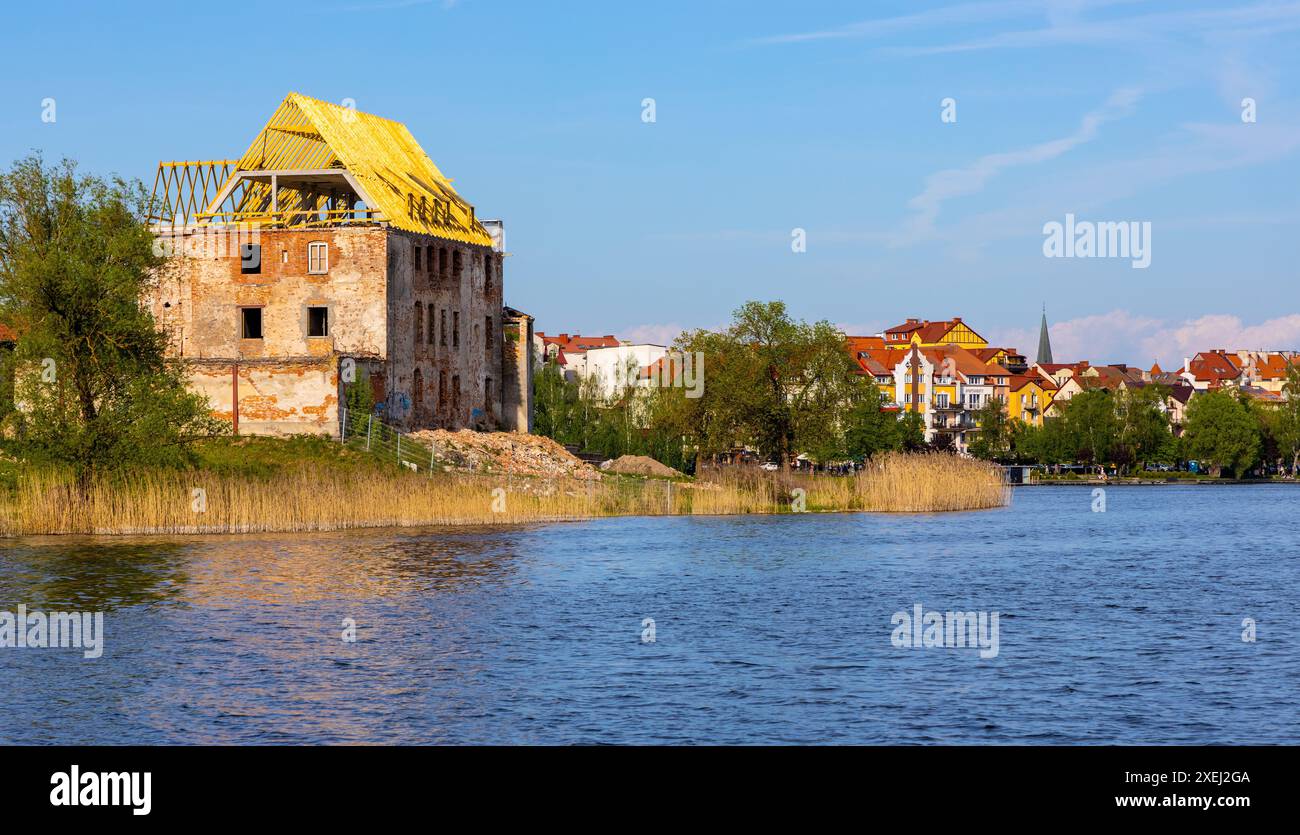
(333,252)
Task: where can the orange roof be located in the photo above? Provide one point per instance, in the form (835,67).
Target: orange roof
(1213,367)
(576,343)
(859,344)
(1271,365)
(1019,381)
(7,334)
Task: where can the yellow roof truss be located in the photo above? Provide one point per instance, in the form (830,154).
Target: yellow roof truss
(304,142)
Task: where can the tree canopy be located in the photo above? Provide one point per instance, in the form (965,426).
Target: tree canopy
(91,373)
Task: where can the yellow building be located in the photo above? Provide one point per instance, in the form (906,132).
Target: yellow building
(1029,397)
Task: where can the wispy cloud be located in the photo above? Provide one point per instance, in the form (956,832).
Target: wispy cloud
(945,16)
(652,334)
(1124,336)
(1142,30)
(962,182)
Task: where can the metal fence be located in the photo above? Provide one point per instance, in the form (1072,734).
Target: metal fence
(368,433)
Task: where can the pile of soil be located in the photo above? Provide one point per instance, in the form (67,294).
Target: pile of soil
(503,452)
(640,465)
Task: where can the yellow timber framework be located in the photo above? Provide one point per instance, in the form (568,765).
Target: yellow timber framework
(319,164)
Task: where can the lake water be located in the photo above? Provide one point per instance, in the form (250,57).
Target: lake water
(1115,627)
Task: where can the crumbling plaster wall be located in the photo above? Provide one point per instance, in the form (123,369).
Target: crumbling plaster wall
(287,380)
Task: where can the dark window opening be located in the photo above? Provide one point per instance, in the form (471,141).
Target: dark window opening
(455,329)
(442,393)
(250,323)
(442,262)
(442,334)
(250,258)
(487,274)
(429,259)
(417,257)
(456,266)
(433,325)
(419,324)
(318,321)
(487,335)
(487,395)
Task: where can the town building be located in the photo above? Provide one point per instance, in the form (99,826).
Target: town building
(334,252)
(1030,397)
(569,352)
(929,334)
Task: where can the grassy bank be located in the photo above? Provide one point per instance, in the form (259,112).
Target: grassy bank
(305,485)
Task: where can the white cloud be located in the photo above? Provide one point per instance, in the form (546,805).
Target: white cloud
(652,334)
(1123,336)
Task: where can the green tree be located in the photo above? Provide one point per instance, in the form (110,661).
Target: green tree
(1091,424)
(1286,425)
(782,386)
(1221,432)
(911,432)
(1141,427)
(1050,444)
(870,430)
(993,440)
(97,389)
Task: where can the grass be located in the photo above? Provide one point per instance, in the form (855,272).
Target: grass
(306,484)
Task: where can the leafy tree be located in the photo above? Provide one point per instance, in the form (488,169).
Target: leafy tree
(911,430)
(993,440)
(779,385)
(1091,425)
(1141,427)
(1221,432)
(636,421)
(1286,425)
(96,387)
(1050,444)
(6,382)
(869,430)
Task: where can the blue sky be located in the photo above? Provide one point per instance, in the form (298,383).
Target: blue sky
(823,116)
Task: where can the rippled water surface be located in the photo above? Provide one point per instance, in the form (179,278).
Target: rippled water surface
(1115,627)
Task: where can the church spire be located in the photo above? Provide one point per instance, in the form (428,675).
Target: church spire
(1044,342)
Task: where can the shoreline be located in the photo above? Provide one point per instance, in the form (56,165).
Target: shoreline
(1207,482)
(467,524)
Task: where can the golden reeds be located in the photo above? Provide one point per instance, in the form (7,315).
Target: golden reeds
(316,497)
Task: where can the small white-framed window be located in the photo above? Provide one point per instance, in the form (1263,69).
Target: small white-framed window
(318,257)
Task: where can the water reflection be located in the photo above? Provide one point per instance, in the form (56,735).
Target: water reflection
(768,630)
(82,574)
(302,568)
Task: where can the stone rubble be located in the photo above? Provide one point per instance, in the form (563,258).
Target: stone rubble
(508,453)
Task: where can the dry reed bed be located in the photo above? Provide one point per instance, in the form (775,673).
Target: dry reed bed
(315,497)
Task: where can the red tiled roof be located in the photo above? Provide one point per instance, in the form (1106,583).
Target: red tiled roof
(859,344)
(1213,367)
(576,343)
(7,334)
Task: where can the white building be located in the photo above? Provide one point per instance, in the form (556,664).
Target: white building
(610,370)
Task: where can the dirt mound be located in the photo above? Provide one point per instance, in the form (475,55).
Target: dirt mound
(503,452)
(639,465)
